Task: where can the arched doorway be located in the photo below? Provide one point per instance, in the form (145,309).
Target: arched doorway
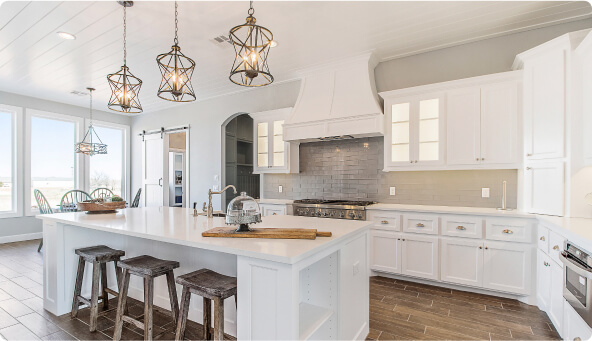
(237,158)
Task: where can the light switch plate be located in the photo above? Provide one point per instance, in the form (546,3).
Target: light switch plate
(216,177)
(484,192)
(392,191)
(280,188)
(356,268)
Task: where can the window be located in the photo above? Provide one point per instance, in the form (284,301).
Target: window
(109,170)
(53,160)
(9,181)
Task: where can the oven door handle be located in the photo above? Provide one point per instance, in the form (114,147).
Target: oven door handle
(575,267)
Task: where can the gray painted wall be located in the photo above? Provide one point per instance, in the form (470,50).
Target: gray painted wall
(25,225)
(206,117)
(352,170)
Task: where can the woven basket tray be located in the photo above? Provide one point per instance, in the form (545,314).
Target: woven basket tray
(100,206)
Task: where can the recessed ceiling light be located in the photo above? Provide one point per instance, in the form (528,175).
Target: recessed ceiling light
(273,43)
(66,35)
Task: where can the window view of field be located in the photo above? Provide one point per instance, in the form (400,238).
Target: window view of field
(5,162)
(52,158)
(106,170)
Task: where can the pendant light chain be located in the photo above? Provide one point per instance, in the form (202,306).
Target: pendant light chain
(124,35)
(251,9)
(176,25)
(91,107)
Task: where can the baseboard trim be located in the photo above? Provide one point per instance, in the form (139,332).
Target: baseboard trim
(21,237)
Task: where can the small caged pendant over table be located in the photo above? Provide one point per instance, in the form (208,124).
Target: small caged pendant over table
(89,146)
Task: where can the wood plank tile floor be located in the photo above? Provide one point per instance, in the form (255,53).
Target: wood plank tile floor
(398,310)
(22,316)
(403,310)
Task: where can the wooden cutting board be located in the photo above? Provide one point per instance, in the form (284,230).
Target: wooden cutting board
(271,233)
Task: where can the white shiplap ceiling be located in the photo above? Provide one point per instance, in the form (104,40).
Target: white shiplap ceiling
(34,61)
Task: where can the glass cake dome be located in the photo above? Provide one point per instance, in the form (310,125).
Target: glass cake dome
(243,210)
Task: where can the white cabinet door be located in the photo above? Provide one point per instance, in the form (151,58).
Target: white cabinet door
(499,123)
(463,107)
(544,105)
(575,328)
(420,256)
(544,187)
(461,261)
(271,153)
(507,267)
(385,251)
(543,280)
(555,310)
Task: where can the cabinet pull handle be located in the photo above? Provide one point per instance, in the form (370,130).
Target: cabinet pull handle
(542,238)
(556,248)
(529,154)
(274,213)
(411,161)
(462,228)
(528,168)
(384,222)
(419,225)
(577,338)
(480,247)
(403,239)
(506,231)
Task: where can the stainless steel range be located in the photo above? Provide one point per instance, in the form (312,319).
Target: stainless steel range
(337,209)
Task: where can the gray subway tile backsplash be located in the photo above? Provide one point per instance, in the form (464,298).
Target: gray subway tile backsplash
(352,170)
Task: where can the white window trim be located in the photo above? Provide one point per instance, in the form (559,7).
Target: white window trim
(17,161)
(78,160)
(126,162)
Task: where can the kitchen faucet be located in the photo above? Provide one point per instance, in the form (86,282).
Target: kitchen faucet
(210,208)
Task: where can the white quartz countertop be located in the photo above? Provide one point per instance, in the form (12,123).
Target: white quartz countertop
(178,226)
(451,210)
(576,230)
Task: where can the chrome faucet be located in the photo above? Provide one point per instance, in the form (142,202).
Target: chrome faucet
(210,208)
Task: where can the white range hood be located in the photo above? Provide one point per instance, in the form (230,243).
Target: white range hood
(338,102)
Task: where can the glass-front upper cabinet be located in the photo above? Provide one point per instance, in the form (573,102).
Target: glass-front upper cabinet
(273,154)
(415,129)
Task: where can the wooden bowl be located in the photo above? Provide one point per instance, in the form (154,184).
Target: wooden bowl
(100,207)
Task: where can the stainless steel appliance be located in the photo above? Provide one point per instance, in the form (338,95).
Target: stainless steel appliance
(577,288)
(336,209)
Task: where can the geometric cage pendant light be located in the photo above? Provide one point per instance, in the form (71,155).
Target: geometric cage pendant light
(91,143)
(176,70)
(125,87)
(251,44)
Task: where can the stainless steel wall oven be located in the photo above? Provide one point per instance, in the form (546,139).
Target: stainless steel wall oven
(577,289)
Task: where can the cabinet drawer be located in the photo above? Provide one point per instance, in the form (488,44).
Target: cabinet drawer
(388,221)
(543,238)
(462,226)
(512,230)
(421,223)
(555,246)
(268,210)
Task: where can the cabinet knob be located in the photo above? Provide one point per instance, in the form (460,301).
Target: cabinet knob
(528,168)
(529,154)
(486,248)
(546,264)
(411,161)
(384,222)
(556,248)
(419,225)
(476,159)
(462,228)
(506,231)
(480,247)
(542,238)
(403,239)
(275,214)
(482,159)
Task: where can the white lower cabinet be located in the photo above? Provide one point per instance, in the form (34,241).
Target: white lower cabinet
(507,267)
(555,309)
(385,251)
(420,256)
(543,280)
(273,209)
(575,328)
(462,261)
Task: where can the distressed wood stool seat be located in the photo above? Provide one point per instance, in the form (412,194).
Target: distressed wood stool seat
(99,256)
(148,268)
(211,286)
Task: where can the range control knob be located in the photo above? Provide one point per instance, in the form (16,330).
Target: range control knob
(341,214)
(352,215)
(325,214)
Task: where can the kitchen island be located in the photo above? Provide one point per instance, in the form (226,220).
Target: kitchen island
(287,289)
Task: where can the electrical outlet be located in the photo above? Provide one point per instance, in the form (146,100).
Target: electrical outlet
(484,192)
(215,188)
(280,188)
(356,268)
(392,191)
(216,177)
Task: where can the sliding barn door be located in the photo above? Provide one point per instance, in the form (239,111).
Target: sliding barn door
(155,170)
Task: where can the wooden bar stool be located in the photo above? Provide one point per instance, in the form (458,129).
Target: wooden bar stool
(99,256)
(148,268)
(211,286)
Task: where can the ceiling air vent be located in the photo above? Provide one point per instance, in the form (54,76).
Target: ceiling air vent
(79,93)
(222,41)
